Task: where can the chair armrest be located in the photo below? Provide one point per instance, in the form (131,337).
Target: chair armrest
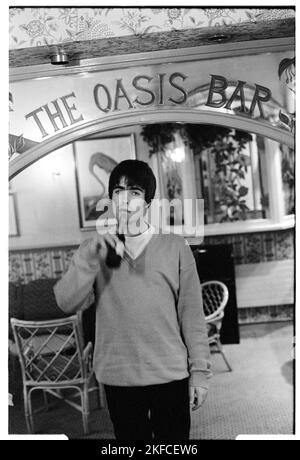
(214,325)
(215,319)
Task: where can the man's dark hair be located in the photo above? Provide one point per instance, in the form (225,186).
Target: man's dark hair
(136,173)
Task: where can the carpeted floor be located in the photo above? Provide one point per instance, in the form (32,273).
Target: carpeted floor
(256,398)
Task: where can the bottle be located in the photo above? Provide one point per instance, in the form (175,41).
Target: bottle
(113,260)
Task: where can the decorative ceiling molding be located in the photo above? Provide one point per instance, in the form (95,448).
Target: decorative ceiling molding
(151,42)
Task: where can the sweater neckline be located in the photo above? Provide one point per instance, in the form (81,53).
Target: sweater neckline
(141,255)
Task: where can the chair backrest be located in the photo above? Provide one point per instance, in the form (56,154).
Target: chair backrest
(215,297)
(50,351)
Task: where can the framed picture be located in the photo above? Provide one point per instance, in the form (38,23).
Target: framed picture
(13,218)
(95,158)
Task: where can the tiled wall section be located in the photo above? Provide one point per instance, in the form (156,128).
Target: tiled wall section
(251,248)
(28,265)
(266,314)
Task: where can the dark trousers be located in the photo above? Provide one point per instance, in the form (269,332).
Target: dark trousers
(150,412)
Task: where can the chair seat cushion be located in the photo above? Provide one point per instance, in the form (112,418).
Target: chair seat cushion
(62,369)
(41,344)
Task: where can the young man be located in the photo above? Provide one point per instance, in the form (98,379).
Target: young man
(151,351)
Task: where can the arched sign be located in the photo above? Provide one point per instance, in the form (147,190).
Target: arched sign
(144,117)
(51,112)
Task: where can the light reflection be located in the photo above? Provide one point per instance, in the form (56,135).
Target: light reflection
(177,154)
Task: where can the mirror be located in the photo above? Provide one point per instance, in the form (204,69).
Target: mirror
(232,171)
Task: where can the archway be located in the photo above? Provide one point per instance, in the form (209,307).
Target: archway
(120,120)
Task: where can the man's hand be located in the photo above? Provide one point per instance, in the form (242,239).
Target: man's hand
(197,396)
(98,245)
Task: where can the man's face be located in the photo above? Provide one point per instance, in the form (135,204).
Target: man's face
(129,202)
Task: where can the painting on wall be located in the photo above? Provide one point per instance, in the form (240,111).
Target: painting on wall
(13,218)
(95,158)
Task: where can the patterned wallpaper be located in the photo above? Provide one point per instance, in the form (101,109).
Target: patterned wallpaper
(28,265)
(30,27)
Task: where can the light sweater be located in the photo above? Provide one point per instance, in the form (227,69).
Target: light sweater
(150,326)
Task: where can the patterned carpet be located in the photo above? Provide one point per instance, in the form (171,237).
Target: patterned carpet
(256,398)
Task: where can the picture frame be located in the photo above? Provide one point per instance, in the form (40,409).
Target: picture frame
(13,217)
(95,158)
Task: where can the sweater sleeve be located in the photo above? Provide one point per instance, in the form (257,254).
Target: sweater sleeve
(192,320)
(74,291)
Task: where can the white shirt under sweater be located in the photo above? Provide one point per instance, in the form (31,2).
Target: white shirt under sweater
(134,245)
(150,326)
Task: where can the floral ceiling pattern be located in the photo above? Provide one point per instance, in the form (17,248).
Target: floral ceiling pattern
(30,27)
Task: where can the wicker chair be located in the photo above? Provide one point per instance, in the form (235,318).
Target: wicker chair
(53,358)
(215,297)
